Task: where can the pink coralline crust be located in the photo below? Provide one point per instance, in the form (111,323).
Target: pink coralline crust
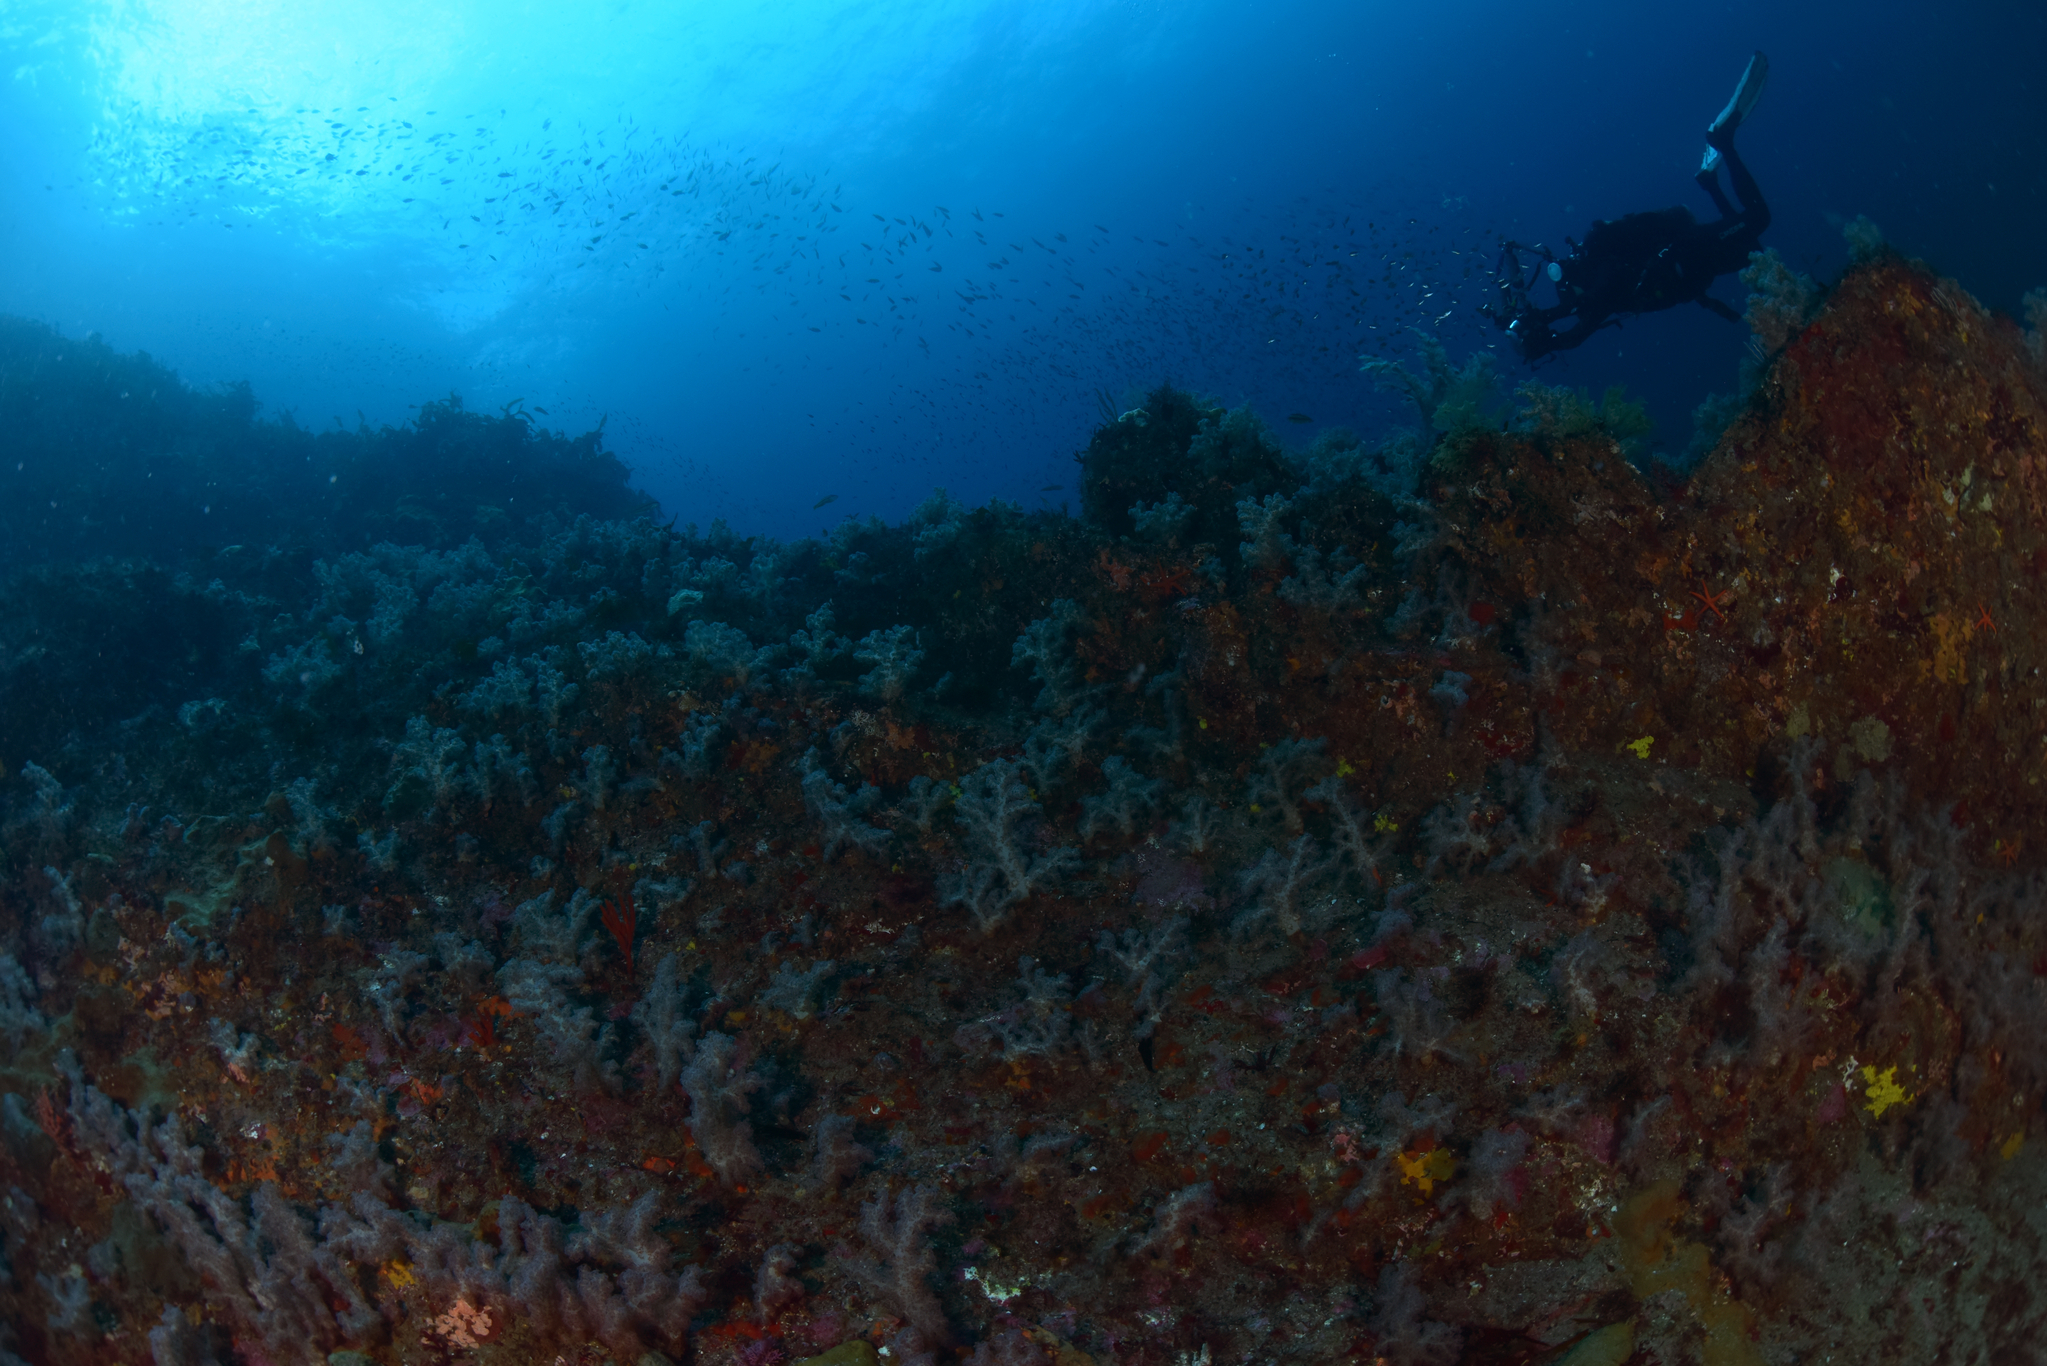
(464,1326)
(1833,1108)
(1595,1135)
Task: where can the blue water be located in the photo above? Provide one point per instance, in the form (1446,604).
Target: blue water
(808,249)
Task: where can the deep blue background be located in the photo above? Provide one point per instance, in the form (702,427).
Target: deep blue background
(1250,195)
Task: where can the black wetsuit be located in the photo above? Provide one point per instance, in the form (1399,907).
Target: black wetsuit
(1650,261)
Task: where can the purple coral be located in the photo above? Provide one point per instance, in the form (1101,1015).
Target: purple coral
(897,1259)
(720,1082)
(994,812)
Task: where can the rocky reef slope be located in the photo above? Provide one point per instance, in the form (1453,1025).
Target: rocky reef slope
(1443,902)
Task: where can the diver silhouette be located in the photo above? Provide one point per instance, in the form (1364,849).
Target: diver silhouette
(1645,261)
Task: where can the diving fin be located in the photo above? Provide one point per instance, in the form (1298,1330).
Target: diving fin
(1746,92)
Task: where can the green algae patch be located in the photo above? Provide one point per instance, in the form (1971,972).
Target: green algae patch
(855,1353)
(196,912)
(1653,1259)
(1862,896)
(1608,1346)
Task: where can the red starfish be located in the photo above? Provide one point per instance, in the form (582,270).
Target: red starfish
(1713,600)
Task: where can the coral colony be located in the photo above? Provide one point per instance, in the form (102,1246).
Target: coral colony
(1475,897)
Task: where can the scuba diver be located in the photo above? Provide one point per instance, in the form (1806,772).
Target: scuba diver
(1645,261)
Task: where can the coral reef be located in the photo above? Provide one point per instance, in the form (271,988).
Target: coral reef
(1456,899)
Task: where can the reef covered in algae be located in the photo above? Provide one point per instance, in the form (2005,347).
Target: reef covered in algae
(1456,900)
